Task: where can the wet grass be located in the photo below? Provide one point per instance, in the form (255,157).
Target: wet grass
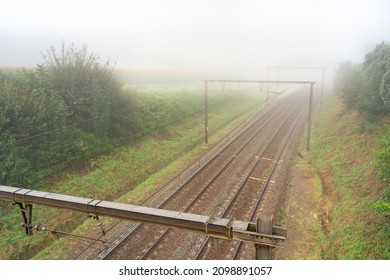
(344,153)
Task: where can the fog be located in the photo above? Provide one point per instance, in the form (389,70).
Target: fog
(218,37)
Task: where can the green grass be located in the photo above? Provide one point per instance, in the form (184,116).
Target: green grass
(131,171)
(342,150)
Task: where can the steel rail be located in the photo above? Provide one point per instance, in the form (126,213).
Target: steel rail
(217,152)
(240,128)
(205,157)
(206,82)
(275,114)
(247,142)
(213,179)
(244,182)
(279,154)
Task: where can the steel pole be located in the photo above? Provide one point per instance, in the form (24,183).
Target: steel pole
(206,114)
(309,118)
(267,84)
(322,84)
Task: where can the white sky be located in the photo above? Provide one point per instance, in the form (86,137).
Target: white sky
(236,36)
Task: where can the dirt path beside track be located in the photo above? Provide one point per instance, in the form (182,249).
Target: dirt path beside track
(303,214)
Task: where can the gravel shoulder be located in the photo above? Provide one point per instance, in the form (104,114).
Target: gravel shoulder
(302,214)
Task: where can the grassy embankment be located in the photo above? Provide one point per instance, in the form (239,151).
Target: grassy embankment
(133,170)
(342,154)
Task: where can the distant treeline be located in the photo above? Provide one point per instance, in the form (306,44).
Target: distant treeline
(366,88)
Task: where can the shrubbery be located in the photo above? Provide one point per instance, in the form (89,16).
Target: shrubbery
(67,109)
(71,108)
(366,88)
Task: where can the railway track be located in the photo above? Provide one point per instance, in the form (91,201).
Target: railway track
(207,189)
(233,206)
(251,185)
(120,230)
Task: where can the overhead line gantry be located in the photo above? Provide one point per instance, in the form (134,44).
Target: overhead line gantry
(206,102)
(301,68)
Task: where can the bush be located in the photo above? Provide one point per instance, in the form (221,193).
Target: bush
(348,83)
(63,112)
(366,87)
(27,109)
(87,86)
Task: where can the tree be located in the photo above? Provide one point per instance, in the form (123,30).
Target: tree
(55,115)
(384,90)
(349,83)
(376,69)
(86,84)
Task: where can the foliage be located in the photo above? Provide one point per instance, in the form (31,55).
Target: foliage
(27,109)
(66,110)
(377,72)
(366,87)
(384,90)
(86,85)
(72,107)
(348,83)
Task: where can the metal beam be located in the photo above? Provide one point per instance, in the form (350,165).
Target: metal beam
(303,68)
(211,226)
(261,81)
(294,67)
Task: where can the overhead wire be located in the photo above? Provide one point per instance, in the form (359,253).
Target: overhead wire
(61,128)
(122,141)
(114,111)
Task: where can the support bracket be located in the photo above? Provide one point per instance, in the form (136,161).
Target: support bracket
(26,211)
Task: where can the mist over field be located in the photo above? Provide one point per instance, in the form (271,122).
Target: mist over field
(212,38)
